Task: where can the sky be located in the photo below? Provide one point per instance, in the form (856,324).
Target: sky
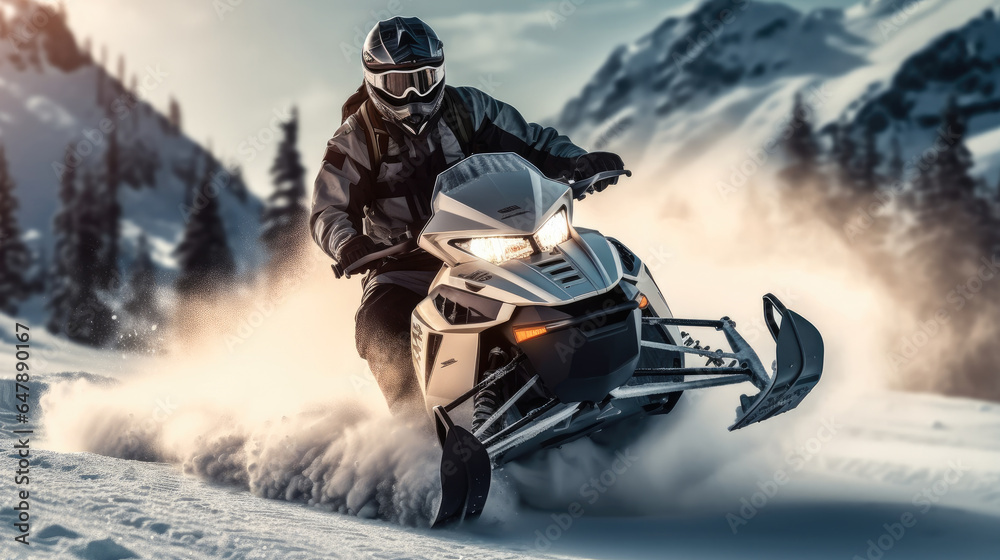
(237,66)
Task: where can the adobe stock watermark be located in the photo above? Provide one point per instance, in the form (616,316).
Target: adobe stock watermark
(257,142)
(712,30)
(896,530)
(121,108)
(254,316)
(25,28)
(902,12)
(656,257)
(562,12)
(590,492)
(769,488)
(248,150)
(755,329)
(956,299)
(163,409)
(362,381)
(212,188)
(756,159)
(352,50)
(223,8)
(617,129)
(866,216)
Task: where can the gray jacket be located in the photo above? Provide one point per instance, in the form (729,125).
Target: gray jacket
(393,201)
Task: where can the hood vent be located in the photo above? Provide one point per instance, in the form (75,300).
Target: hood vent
(561,271)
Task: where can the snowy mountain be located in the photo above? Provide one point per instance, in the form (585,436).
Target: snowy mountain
(721,79)
(58,109)
(964,63)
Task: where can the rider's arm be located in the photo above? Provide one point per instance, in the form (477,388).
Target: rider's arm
(341,192)
(500,128)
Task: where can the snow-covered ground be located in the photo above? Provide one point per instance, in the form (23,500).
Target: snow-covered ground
(892,457)
(820,482)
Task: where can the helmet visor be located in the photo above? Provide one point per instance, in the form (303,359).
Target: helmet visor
(399,83)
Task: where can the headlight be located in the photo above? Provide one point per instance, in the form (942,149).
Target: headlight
(554,232)
(497,250)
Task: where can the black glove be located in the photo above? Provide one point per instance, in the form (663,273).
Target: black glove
(592,163)
(356,248)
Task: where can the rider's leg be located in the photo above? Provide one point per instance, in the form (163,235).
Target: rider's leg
(382,333)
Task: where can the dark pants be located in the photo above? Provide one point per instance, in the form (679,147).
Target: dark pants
(382,333)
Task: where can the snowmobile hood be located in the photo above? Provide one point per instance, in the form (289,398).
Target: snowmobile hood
(504,196)
(494,194)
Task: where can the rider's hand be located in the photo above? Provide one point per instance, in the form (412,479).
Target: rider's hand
(592,163)
(356,248)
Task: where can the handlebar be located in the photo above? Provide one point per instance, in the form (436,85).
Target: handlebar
(383,252)
(581,188)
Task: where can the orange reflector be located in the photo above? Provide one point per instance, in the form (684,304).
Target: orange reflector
(526,333)
(643,302)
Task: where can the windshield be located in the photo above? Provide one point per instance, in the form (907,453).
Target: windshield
(466,171)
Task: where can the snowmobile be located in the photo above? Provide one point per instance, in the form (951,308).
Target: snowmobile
(536,332)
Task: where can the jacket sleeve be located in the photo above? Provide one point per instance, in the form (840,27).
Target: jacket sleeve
(498,127)
(341,192)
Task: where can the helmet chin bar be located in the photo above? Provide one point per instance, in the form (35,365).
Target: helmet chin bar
(404,115)
(414,123)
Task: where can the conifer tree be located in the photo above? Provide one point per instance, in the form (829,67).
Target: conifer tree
(897,167)
(14,255)
(868,176)
(61,291)
(954,224)
(844,156)
(141,306)
(801,147)
(90,319)
(284,219)
(206,262)
(175,116)
(955,184)
(111,217)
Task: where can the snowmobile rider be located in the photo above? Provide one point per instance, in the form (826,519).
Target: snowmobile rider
(401,129)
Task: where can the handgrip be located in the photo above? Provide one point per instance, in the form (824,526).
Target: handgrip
(581,187)
(375,256)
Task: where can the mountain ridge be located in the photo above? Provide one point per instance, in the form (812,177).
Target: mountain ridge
(54,95)
(722,77)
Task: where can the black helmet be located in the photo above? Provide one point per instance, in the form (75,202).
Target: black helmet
(404,71)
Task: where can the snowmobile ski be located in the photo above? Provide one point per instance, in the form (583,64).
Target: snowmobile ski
(465,473)
(798,366)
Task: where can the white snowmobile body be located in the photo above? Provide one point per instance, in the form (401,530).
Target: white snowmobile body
(535,332)
(473,304)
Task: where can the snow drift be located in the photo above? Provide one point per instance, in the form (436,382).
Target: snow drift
(271,398)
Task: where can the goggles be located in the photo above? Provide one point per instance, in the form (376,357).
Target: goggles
(399,83)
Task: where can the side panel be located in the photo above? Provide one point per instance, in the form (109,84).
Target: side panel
(446,356)
(453,371)
(636,272)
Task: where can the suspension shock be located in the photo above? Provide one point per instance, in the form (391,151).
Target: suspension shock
(490,398)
